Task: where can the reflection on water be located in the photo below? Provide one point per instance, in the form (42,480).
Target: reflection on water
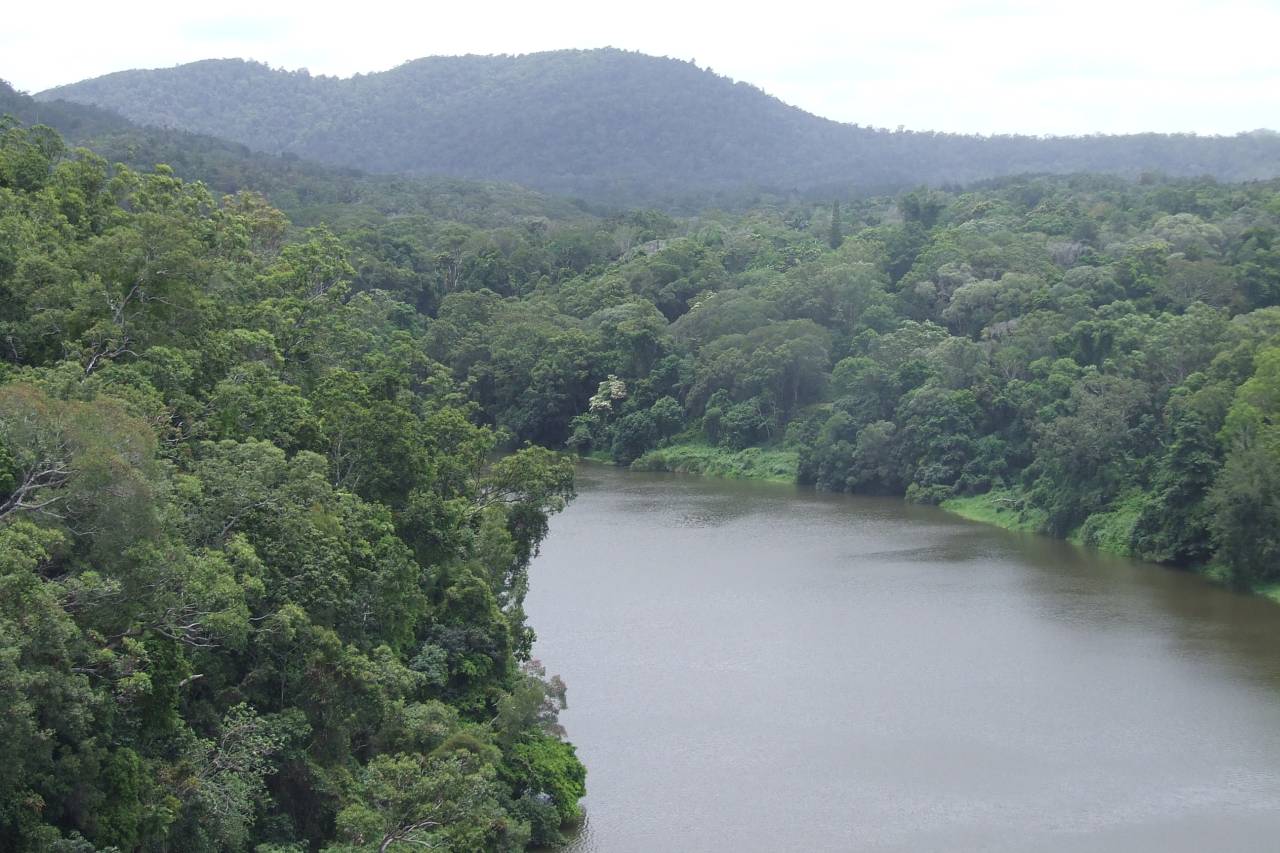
(759,667)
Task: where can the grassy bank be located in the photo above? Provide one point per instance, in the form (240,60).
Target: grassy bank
(1001,507)
(753,463)
(1109,532)
(1270,591)
(1007,508)
(1220,575)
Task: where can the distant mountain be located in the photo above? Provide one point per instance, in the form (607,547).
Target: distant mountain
(310,192)
(610,124)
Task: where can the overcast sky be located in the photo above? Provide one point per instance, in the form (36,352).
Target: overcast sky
(987,67)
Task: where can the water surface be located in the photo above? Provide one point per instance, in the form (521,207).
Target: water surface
(755,667)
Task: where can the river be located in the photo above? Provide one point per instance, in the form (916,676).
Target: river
(754,667)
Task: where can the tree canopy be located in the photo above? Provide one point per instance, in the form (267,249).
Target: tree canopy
(273,468)
(261,580)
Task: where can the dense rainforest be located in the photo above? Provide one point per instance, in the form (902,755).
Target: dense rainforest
(278,441)
(261,577)
(612,125)
(1084,356)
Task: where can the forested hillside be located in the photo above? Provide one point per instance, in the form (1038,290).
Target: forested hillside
(1084,356)
(262,566)
(311,192)
(261,580)
(611,125)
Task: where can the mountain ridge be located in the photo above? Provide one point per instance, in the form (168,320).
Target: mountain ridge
(612,125)
(309,192)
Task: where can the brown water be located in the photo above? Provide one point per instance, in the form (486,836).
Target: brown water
(760,668)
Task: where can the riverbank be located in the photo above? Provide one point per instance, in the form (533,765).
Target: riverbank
(999,507)
(752,463)
(1108,532)
(1005,508)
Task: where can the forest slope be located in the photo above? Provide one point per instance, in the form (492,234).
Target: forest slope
(610,124)
(261,583)
(311,192)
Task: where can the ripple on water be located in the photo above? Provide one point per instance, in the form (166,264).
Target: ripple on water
(757,669)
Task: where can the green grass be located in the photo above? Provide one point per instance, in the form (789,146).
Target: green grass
(1220,574)
(1001,507)
(1105,531)
(1215,572)
(1111,531)
(753,463)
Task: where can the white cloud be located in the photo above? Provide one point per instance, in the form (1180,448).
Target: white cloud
(1032,67)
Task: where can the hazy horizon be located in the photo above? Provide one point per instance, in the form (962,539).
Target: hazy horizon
(988,68)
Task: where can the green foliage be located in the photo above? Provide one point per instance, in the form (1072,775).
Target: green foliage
(1113,531)
(1070,345)
(550,767)
(1244,505)
(1073,345)
(261,583)
(447,804)
(1002,507)
(1245,498)
(269,498)
(753,463)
